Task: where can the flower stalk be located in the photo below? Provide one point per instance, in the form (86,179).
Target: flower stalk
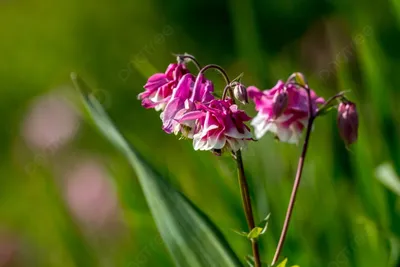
(300,165)
(244,191)
(243,185)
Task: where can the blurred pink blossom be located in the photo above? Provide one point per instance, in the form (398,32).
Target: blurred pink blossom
(50,123)
(91,195)
(9,248)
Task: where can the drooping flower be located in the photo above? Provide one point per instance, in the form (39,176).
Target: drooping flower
(160,86)
(219,126)
(282,110)
(189,91)
(347,121)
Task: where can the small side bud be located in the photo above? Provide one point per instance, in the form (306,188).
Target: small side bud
(298,78)
(347,121)
(279,103)
(240,93)
(184,58)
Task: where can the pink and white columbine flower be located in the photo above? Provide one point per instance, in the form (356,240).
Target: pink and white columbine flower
(219,126)
(159,87)
(184,98)
(282,110)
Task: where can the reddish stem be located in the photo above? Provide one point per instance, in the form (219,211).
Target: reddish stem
(299,172)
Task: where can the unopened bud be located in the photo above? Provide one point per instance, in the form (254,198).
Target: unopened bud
(184,58)
(298,78)
(347,121)
(240,93)
(279,103)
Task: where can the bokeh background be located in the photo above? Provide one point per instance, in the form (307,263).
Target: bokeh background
(68,198)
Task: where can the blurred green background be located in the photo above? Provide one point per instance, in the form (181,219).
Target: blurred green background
(68,198)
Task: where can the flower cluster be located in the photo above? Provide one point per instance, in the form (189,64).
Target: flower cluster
(189,108)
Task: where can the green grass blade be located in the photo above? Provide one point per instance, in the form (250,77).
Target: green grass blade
(192,239)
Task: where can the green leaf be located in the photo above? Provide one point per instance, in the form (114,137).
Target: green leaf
(284,262)
(255,233)
(264,224)
(190,236)
(241,233)
(259,230)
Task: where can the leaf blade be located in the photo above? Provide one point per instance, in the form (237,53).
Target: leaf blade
(190,236)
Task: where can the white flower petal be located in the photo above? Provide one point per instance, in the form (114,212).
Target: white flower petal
(212,141)
(284,134)
(283,118)
(261,129)
(198,144)
(258,119)
(221,140)
(296,135)
(260,124)
(236,144)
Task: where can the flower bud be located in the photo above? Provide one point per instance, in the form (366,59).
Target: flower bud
(279,103)
(184,58)
(347,121)
(298,78)
(240,93)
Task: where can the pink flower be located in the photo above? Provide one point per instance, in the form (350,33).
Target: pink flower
(347,121)
(188,92)
(219,126)
(160,86)
(282,111)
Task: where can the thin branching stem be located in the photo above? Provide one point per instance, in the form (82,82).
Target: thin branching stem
(311,117)
(219,69)
(329,101)
(228,86)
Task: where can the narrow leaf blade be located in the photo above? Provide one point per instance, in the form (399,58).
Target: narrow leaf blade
(191,237)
